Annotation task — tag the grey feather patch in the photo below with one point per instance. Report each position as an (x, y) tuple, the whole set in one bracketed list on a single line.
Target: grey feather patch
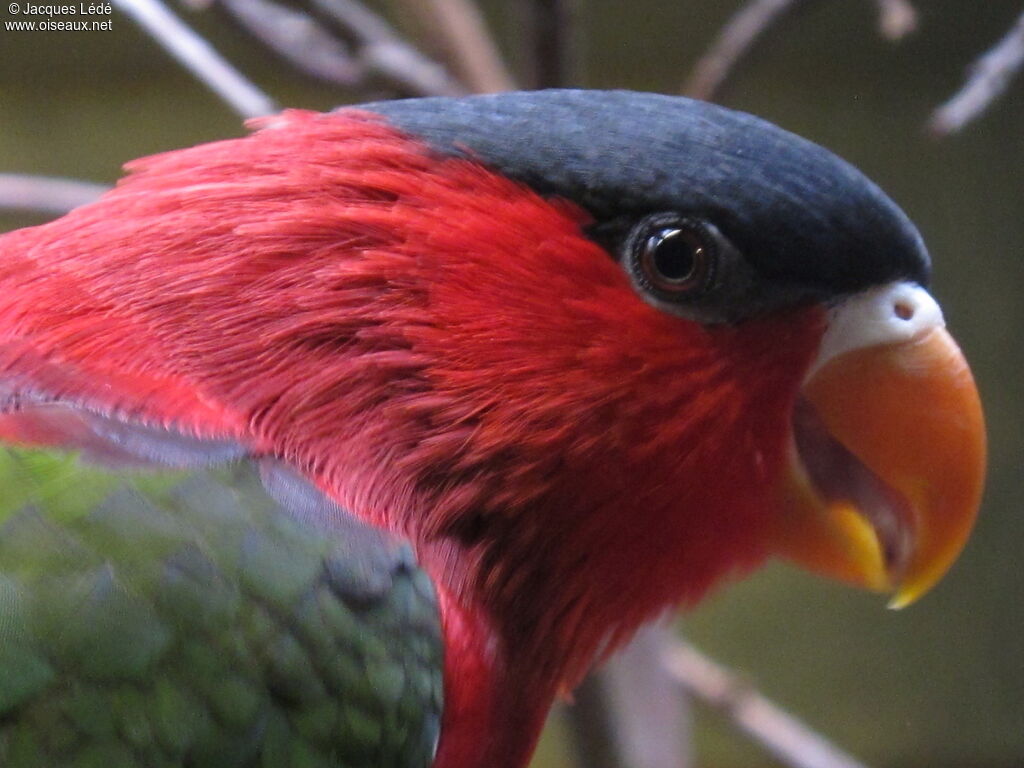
[(116, 442), (361, 572)]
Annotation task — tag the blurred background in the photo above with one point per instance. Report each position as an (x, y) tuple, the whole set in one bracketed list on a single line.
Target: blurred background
[(940, 684)]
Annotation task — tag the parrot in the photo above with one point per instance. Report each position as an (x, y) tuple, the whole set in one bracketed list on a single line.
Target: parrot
[(359, 439)]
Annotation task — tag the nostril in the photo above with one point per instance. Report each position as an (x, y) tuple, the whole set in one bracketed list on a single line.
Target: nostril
[(904, 310)]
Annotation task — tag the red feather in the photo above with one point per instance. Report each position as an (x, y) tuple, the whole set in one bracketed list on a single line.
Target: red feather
[(445, 353)]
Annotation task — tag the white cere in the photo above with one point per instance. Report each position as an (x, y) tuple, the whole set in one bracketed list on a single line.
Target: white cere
[(888, 314)]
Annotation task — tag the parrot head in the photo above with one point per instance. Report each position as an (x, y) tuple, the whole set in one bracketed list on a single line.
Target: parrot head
[(591, 352)]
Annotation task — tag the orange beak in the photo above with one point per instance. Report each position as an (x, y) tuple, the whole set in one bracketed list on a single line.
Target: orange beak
[(888, 459)]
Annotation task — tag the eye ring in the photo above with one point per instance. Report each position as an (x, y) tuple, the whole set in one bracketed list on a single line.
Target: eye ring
[(673, 257)]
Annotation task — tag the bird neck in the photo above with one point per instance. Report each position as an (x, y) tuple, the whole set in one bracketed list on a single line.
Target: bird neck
[(449, 356), (597, 510)]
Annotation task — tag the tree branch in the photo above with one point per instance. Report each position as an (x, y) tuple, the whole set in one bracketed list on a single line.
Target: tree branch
[(652, 726), (747, 26), (383, 51), (988, 78), (629, 714), (778, 732), (734, 42), (547, 28), (45, 195), (297, 38), (198, 56), (590, 719), (457, 30)]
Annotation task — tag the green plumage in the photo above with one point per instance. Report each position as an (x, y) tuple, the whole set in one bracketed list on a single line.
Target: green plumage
[(187, 620)]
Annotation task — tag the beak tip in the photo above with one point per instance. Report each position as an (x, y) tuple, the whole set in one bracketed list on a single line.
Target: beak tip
[(901, 600), (914, 420)]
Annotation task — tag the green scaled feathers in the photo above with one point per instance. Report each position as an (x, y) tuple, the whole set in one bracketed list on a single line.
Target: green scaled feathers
[(187, 621)]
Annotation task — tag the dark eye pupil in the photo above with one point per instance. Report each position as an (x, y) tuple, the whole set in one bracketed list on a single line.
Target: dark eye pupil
[(674, 255)]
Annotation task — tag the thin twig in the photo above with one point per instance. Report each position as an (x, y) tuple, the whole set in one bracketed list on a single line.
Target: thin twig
[(547, 30), (778, 732), (589, 720), (747, 26), (629, 714), (647, 713), (298, 39), (989, 76), (896, 18), (458, 32), (381, 49), (196, 55), (734, 41), (45, 194)]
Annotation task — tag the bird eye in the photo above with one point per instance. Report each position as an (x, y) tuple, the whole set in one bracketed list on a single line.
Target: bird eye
[(672, 257)]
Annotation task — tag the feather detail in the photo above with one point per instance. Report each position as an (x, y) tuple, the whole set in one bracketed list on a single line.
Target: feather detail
[(445, 353)]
